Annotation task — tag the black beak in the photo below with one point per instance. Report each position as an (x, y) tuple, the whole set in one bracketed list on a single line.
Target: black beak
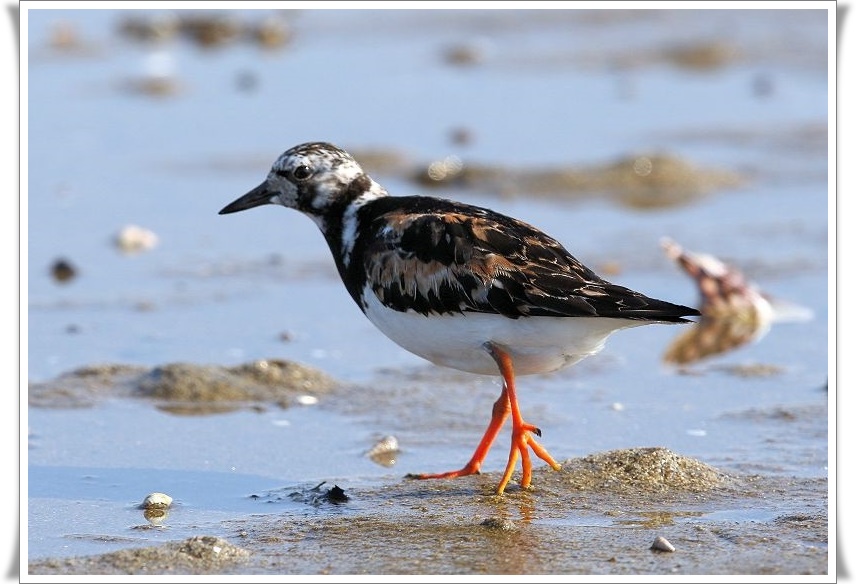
[(261, 195)]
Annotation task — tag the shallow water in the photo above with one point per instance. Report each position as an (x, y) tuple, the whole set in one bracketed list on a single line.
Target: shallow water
[(567, 88)]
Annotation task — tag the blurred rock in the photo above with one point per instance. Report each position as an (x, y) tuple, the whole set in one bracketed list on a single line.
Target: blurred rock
[(161, 27), (273, 32), (63, 271), (211, 30)]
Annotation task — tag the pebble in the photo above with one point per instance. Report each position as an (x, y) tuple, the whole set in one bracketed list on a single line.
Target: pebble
[(63, 270), (661, 544), (499, 524)]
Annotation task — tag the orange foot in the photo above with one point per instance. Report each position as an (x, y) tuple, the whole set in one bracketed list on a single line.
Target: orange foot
[(521, 433)]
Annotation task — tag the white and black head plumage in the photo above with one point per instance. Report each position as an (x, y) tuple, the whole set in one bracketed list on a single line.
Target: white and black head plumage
[(316, 178)]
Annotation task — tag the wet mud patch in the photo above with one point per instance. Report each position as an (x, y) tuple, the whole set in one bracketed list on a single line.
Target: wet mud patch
[(186, 388), (718, 524), (644, 180), (601, 514)]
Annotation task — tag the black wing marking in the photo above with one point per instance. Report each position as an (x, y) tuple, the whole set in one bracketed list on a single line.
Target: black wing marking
[(436, 256)]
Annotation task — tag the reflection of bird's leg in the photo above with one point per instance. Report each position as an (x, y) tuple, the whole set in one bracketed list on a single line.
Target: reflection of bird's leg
[(521, 432)]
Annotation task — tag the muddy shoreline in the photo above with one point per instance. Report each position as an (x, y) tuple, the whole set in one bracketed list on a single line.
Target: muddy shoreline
[(599, 515), (718, 524)]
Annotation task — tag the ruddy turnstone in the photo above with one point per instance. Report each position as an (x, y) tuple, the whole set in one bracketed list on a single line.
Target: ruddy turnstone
[(459, 285)]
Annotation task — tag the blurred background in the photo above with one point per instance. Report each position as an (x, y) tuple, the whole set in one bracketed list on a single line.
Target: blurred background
[(609, 129)]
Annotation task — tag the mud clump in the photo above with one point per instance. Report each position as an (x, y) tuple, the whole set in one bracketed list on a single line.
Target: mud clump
[(641, 469), (186, 388), (264, 380), (202, 554), (643, 181), (83, 387)]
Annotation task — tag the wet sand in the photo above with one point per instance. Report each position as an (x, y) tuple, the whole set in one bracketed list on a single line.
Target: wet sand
[(599, 515)]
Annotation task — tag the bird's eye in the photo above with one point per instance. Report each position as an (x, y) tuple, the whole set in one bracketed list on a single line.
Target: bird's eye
[(302, 172)]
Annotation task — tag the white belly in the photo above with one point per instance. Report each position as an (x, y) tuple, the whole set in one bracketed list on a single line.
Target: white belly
[(536, 344)]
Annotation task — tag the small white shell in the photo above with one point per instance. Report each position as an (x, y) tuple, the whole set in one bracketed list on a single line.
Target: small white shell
[(157, 501), (307, 400), (134, 239), (384, 445), (661, 544), (385, 451)]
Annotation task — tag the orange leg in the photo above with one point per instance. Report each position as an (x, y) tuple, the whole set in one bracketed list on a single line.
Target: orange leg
[(521, 433), (501, 409)]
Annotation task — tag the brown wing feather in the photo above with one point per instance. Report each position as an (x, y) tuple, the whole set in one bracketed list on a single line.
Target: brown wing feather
[(445, 257)]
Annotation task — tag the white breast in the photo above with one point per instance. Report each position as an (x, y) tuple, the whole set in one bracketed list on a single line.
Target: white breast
[(537, 344)]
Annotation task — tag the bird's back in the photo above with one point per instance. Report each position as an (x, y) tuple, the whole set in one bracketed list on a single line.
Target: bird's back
[(436, 256)]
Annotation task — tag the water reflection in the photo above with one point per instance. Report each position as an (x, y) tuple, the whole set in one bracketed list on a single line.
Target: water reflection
[(504, 542), (156, 517), (655, 519)]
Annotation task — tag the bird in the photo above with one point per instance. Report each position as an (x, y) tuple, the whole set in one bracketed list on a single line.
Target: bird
[(459, 285)]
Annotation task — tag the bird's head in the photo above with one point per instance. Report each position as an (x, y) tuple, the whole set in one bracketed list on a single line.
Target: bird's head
[(314, 178)]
